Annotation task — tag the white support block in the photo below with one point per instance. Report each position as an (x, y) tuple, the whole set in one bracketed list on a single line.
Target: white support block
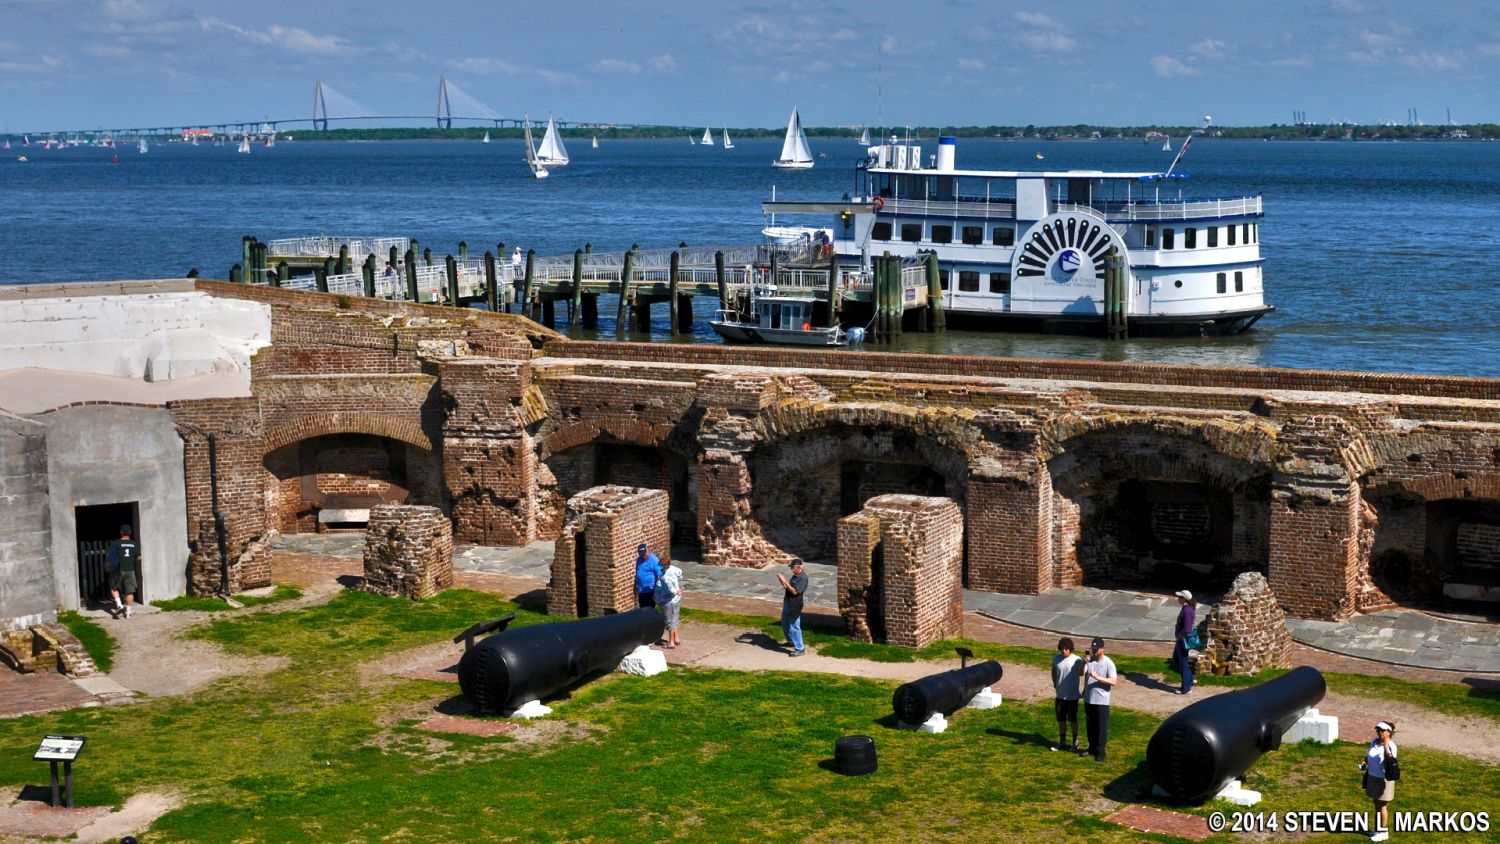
[(529, 709), (936, 724), (986, 699), (644, 661), (1237, 794), (1323, 729)]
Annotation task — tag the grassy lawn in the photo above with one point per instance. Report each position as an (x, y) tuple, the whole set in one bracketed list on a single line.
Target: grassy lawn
[(1454, 698), (187, 602), (100, 645), (323, 751)]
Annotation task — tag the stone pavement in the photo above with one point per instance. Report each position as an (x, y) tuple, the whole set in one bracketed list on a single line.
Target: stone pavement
[(1400, 637)]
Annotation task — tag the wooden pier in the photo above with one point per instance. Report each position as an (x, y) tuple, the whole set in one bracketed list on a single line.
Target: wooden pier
[(401, 269)]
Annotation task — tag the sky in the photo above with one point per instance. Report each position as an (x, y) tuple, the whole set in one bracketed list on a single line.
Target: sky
[(79, 64)]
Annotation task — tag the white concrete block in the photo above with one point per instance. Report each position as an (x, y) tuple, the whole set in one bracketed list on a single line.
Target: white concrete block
[(529, 709), (936, 724), (644, 661), (344, 515), (1237, 794), (1323, 729), (986, 699)]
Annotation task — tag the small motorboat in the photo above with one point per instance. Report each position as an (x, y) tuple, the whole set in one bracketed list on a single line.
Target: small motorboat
[(780, 319)]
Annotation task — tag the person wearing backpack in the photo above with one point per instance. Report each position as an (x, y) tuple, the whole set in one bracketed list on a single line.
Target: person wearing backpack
[(1381, 772), (669, 600), (1186, 635), (122, 562)]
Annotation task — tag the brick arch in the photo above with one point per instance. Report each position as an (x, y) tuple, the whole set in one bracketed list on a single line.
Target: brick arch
[(623, 431), (1250, 441), (408, 431), (953, 430)]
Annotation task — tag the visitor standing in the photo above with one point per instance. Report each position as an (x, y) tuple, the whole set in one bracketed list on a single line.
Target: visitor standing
[(1381, 772), (516, 262), (122, 561), (647, 570), (791, 606), (1067, 678), (1099, 679), (1185, 635), (669, 599)]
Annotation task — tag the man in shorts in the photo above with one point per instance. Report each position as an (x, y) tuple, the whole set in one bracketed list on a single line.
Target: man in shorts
[(123, 562), (1067, 681)]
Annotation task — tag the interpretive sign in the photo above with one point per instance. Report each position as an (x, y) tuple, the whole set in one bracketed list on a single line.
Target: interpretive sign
[(62, 749)]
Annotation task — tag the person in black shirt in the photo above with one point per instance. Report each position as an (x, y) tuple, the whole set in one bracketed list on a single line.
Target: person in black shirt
[(123, 562), (791, 606)]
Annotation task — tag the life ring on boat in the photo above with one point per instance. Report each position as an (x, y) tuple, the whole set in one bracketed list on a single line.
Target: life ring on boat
[(878, 203)]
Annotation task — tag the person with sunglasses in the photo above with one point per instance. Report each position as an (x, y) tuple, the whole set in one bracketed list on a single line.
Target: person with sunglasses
[(1381, 773)]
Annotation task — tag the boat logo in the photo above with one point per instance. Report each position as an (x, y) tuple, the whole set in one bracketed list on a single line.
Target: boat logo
[(1066, 248), (1069, 261)]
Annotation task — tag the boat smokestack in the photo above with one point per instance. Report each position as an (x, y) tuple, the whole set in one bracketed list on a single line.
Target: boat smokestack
[(947, 147)]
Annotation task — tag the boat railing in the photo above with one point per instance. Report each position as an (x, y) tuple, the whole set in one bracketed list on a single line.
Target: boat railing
[(1154, 210), (997, 208)]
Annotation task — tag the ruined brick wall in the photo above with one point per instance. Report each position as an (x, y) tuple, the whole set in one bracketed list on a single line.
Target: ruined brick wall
[(239, 431), (611, 521), (489, 460), (408, 551), (1246, 630), (917, 544)]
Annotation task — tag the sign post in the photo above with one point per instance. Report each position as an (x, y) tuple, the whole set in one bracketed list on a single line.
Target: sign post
[(62, 749)]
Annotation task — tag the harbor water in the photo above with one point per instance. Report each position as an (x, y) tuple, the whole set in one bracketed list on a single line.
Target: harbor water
[(1378, 256)]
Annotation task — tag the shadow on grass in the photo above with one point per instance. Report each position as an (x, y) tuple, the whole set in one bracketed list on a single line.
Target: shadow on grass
[(350, 581), (1020, 738), (762, 641), (1483, 688), (1133, 786), (39, 793), (536, 599), (1146, 681)]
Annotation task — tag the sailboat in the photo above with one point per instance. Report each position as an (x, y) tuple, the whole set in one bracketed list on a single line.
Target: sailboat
[(692, 140), (269, 142), (864, 138), (538, 169), (552, 153), (596, 142), (244, 144), (1166, 146), (25, 140), (708, 138), (794, 152), (728, 144), (142, 148), (486, 137), (7, 143)]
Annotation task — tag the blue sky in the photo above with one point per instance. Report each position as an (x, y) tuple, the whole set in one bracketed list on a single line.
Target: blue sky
[(87, 63)]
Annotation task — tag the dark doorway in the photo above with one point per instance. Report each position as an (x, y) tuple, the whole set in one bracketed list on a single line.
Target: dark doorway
[(580, 573), (875, 595), (96, 527)]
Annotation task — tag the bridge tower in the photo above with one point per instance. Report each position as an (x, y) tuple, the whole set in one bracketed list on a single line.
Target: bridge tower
[(444, 108), (320, 109)]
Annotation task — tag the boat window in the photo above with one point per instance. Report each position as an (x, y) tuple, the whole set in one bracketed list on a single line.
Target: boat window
[(973, 235), (1000, 282), (1168, 238), (942, 234), (1221, 282), (1239, 281), (1150, 236), (911, 232), (775, 316), (968, 281), (1213, 236), (1003, 236), (1189, 238), (1229, 230), (881, 231), (1255, 232), (946, 187), (943, 278)]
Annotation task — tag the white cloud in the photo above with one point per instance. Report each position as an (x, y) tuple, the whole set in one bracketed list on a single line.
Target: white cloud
[(782, 77), (292, 39), (1427, 60), (1049, 42), (1348, 7), (664, 63), (617, 66), (1167, 67), (558, 77), (970, 64), (1038, 19), (486, 67), (1489, 49), (1209, 48)]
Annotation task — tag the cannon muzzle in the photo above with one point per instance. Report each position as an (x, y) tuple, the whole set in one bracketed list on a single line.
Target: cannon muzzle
[(947, 692), (1197, 751), (529, 663)]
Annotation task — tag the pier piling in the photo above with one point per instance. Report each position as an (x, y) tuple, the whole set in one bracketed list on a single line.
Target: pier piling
[(283, 273), (937, 320), (427, 256), (344, 266), (672, 301), (722, 278), (411, 275), (528, 306), (369, 276), (1115, 326), (833, 288), (463, 251), (491, 285), (320, 279), (246, 245), (237, 274), (621, 312), (575, 311), (451, 265)]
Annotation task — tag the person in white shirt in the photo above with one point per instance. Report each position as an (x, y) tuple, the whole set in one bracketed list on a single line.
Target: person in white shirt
[(1067, 676), (669, 600), (1380, 784), (1099, 679)]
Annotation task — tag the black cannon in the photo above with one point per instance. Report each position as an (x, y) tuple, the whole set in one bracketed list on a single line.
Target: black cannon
[(529, 663), (947, 692), (1197, 751)]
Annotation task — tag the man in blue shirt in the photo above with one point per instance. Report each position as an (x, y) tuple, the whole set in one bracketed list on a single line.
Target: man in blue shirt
[(791, 606), (647, 570)]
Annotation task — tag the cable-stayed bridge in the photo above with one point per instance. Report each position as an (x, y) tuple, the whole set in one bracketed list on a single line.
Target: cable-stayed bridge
[(331, 107)]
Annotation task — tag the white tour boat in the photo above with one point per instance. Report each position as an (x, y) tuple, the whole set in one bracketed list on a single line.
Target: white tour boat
[(552, 152), (780, 319), (1028, 248), (795, 154)]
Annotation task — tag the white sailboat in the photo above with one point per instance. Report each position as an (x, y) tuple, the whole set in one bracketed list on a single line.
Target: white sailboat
[(864, 137), (552, 153), (692, 140), (708, 138), (795, 154), (244, 144), (728, 144), (486, 137), (538, 169), (596, 142), (1166, 146), (142, 148)]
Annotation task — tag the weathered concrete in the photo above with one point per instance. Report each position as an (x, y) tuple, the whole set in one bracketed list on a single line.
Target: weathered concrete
[(27, 585), (105, 454)]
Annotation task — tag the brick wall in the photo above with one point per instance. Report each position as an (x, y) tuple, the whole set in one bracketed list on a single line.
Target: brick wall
[(917, 543), (408, 551), (611, 521), (1246, 631), (238, 427)]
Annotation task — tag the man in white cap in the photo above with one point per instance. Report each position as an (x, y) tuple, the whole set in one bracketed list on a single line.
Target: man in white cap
[(1185, 636)]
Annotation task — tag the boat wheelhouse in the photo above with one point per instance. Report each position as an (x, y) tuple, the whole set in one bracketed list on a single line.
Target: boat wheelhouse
[(1030, 247), (774, 318)]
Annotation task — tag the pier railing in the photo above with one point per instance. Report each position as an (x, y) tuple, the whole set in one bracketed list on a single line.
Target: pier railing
[(325, 246)]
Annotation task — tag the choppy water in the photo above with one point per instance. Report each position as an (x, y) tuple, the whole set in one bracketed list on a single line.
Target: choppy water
[(1378, 256)]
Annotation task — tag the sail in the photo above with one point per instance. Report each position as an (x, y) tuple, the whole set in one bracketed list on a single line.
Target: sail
[(538, 169), (552, 151), (864, 138), (794, 149), (708, 137), (486, 138), (727, 143), (596, 142), (142, 145)]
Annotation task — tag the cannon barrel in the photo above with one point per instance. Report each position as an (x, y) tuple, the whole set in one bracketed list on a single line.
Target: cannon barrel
[(1197, 751), (529, 663), (947, 692)]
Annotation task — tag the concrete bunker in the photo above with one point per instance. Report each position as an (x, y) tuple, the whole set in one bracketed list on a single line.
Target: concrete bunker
[(803, 484), (1156, 509), (332, 481)]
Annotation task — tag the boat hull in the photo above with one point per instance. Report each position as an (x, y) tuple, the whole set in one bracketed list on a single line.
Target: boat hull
[(736, 332), (792, 165)]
